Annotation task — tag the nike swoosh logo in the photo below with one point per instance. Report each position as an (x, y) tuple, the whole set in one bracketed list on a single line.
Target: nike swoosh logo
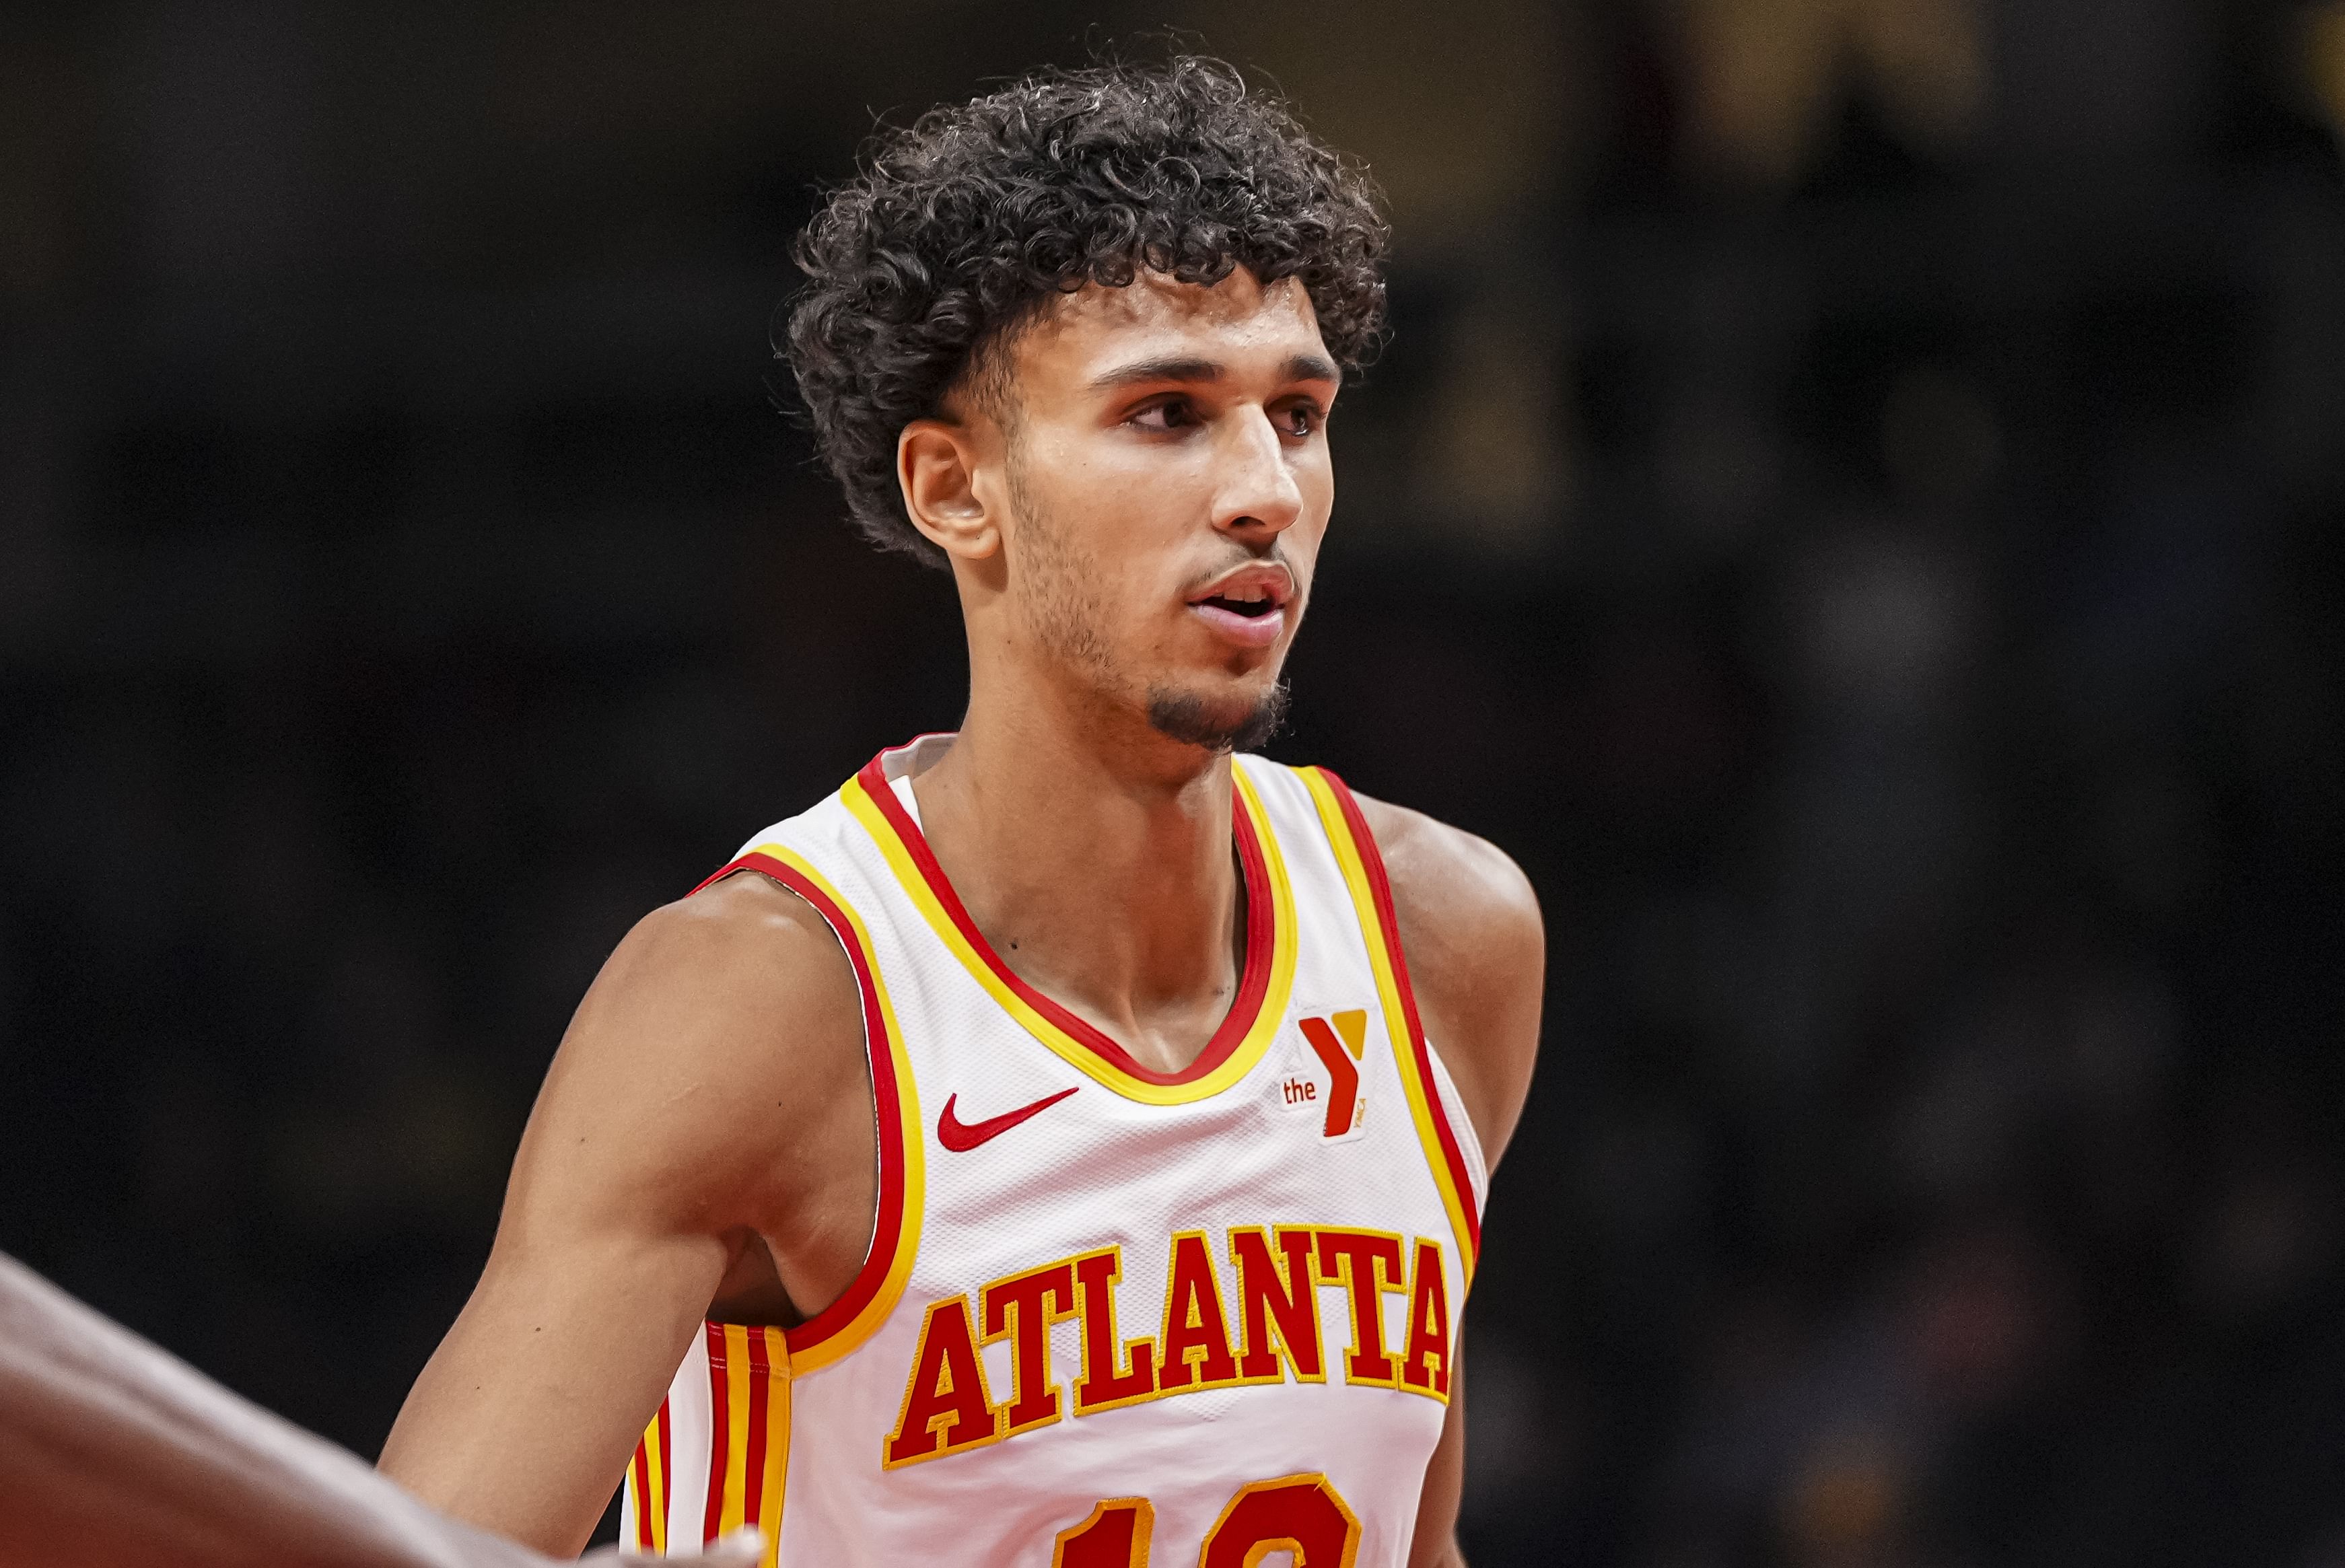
[(960, 1137)]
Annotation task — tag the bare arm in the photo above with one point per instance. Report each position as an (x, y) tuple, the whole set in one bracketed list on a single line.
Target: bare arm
[(1477, 950), (695, 1110), (113, 1451)]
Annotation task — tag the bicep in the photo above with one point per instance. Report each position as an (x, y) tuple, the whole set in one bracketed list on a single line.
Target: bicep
[(523, 1418), (644, 1168), (523, 1421)]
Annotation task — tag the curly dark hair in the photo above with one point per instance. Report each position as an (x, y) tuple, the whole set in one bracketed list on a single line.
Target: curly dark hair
[(959, 229)]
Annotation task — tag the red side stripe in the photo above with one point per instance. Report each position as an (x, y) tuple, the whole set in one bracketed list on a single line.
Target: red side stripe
[(644, 1503), (1253, 983), (1380, 884), (752, 1473), (888, 1233), (720, 1426)]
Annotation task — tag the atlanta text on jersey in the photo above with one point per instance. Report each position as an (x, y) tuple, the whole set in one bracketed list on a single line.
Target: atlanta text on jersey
[(949, 1407)]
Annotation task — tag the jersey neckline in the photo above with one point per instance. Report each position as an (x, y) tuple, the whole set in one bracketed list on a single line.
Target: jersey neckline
[(1265, 978)]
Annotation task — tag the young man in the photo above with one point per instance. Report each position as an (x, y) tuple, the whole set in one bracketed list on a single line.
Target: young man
[(1049, 1130)]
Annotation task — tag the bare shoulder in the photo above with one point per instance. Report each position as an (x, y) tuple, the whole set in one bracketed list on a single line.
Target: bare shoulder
[(1450, 880), (746, 941), (1477, 950), (717, 1018)]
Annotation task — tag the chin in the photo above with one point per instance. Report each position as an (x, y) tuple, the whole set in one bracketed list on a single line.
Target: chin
[(1220, 720)]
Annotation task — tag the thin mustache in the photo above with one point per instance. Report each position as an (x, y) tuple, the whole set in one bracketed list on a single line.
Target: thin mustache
[(1276, 557)]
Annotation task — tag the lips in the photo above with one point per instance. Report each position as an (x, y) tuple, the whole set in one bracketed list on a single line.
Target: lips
[(1247, 606)]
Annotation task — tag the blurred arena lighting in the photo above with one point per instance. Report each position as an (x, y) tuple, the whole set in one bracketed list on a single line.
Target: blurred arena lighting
[(1769, 74)]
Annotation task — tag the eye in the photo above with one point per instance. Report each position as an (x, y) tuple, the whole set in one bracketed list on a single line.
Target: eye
[(1172, 414), (1299, 419)]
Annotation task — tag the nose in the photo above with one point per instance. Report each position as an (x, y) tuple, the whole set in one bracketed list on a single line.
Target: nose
[(1257, 491)]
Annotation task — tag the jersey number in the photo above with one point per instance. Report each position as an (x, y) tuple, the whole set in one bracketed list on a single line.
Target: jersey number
[(1304, 1515)]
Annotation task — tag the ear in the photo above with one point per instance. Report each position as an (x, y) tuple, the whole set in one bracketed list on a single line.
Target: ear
[(937, 464)]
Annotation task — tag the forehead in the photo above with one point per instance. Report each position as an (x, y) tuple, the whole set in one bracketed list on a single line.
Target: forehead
[(1240, 322)]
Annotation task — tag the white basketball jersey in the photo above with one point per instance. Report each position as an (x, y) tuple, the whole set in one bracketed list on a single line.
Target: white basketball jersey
[(1110, 1316)]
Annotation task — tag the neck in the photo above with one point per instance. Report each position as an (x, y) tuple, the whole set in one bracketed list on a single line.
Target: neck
[(1099, 864)]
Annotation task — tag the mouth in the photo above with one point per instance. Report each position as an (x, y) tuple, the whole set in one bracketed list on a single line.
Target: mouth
[(1247, 607), (1236, 604)]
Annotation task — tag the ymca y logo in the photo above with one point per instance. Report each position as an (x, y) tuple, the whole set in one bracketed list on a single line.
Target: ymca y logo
[(1338, 1041)]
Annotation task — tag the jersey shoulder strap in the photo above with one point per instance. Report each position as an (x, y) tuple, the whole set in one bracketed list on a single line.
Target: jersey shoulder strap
[(1313, 801)]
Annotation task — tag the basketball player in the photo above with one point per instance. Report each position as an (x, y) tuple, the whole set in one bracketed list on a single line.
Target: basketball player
[(112, 1451), (1040, 1151)]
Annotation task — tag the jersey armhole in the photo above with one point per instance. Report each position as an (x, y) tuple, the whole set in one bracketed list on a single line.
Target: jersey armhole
[(1478, 1169), (872, 1294), (1354, 846)]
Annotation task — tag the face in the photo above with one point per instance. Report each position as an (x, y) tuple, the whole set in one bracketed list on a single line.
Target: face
[(1157, 480)]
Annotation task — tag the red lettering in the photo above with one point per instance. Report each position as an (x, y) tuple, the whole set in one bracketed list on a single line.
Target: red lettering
[(1025, 1305), (1424, 1363), (1196, 1345), (1101, 1384), (1276, 1298), (1369, 1264), (944, 1405)]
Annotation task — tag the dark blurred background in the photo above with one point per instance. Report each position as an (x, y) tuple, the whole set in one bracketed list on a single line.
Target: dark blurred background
[(1852, 506)]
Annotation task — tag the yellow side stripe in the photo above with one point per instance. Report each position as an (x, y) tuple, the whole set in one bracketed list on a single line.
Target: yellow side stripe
[(736, 1436)]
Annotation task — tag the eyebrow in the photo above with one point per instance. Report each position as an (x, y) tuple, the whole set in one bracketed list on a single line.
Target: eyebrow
[(1190, 368)]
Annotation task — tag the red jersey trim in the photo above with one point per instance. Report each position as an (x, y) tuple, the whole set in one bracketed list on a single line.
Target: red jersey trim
[(720, 1427), (749, 1415), (1254, 983), (1388, 927), (883, 1052)]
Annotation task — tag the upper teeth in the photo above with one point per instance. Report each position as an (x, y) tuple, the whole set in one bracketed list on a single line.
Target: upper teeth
[(1243, 595)]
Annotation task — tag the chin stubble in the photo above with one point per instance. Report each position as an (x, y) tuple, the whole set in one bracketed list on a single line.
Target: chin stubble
[(1186, 717)]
